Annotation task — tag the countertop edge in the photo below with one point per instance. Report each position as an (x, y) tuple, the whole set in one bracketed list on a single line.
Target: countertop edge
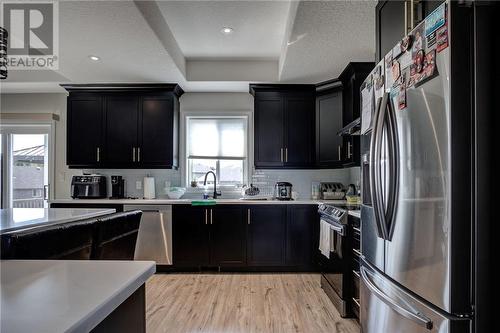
[(41, 225), (100, 313)]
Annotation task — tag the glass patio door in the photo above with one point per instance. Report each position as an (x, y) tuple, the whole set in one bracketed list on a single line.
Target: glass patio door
[(25, 166)]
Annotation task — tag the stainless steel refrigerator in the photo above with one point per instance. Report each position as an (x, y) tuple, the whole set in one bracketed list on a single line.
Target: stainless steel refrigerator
[(416, 221)]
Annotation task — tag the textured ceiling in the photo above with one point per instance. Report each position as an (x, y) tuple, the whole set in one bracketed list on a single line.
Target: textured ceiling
[(132, 42), (259, 27), (327, 35)]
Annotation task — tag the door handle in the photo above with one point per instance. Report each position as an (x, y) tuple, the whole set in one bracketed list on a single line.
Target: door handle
[(133, 154), (211, 217), (393, 163), (411, 314), (349, 154), (98, 150), (138, 154), (248, 216), (206, 216), (373, 169), (281, 152), (339, 152), (286, 154), (46, 192)]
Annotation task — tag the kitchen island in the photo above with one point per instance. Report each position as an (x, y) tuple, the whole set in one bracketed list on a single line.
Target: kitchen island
[(15, 219), (73, 295)]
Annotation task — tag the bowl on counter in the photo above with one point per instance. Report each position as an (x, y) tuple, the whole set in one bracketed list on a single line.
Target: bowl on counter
[(175, 192)]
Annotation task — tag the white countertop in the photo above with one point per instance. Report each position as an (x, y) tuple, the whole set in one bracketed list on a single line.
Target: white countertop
[(188, 201), (22, 218), (65, 295)]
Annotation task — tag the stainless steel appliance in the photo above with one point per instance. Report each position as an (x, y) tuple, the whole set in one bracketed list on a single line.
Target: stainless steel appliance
[(117, 187), (336, 277), (154, 241), (416, 214), (283, 191), (88, 187)]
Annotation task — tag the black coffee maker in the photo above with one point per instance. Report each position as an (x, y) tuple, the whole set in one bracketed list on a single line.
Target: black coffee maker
[(117, 187)]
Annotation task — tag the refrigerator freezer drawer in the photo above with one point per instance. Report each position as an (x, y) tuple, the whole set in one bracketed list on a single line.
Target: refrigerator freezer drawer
[(385, 307)]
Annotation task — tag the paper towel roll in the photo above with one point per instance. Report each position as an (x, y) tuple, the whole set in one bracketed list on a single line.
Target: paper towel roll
[(149, 188)]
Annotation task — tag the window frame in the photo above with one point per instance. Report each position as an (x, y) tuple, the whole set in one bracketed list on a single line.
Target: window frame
[(247, 160)]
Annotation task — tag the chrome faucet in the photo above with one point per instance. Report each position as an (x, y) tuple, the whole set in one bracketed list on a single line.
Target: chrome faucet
[(216, 194)]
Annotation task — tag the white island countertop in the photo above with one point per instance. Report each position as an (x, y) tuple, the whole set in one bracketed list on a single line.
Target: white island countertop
[(15, 219), (65, 295)]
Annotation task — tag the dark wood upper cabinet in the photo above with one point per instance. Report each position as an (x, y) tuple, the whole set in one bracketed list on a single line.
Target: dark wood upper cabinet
[(158, 131), (284, 126), (328, 123), (352, 78), (85, 130), (266, 235), (123, 126), (121, 129), (269, 130), (228, 235)]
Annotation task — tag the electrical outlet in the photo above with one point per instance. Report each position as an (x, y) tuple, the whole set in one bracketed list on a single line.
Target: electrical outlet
[(138, 185)]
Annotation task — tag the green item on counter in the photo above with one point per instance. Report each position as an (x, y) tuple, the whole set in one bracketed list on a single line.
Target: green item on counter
[(206, 202)]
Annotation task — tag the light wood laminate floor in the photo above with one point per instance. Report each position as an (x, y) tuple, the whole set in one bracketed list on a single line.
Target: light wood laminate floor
[(237, 303)]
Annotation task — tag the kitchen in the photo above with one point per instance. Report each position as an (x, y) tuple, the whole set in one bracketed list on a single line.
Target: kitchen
[(213, 170)]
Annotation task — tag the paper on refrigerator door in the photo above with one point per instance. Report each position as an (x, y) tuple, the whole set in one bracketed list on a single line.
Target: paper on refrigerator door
[(367, 100)]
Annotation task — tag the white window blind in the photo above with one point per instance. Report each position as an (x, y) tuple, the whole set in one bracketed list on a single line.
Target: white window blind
[(219, 145)]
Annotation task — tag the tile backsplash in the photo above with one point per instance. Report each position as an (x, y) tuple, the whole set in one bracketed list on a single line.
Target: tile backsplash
[(300, 179)]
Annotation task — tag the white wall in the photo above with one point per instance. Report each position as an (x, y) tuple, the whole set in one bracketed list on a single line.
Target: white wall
[(190, 102), (46, 103)]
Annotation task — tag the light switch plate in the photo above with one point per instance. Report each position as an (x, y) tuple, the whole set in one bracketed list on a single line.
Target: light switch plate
[(138, 185)]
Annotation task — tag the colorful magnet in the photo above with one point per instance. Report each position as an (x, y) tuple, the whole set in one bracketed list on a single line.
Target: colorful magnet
[(418, 61), (396, 70), (431, 40), (406, 43), (435, 20), (442, 38), (402, 97)]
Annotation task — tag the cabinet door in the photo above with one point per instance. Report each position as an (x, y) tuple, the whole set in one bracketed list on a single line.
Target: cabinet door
[(121, 130), (299, 114), (266, 235), (190, 236), (328, 123), (227, 236), (390, 25), (84, 131), (156, 132), (301, 221), (269, 132)]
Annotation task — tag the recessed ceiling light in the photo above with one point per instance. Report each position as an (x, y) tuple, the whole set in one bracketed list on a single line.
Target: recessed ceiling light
[(227, 30), (95, 58)]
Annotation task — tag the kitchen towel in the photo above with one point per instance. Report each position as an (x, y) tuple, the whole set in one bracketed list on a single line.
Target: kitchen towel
[(325, 238)]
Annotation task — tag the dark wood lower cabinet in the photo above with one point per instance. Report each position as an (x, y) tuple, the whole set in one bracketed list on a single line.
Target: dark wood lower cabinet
[(190, 239), (227, 236), (266, 235), (300, 240)]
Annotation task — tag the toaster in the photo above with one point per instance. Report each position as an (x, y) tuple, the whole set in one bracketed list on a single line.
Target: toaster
[(88, 187)]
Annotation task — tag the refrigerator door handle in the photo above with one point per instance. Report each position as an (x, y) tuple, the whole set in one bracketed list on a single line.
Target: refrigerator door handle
[(411, 314), (393, 163), (373, 170), (379, 207)]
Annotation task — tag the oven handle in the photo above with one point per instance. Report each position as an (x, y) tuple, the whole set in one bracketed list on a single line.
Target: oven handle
[(337, 228), (414, 315)]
